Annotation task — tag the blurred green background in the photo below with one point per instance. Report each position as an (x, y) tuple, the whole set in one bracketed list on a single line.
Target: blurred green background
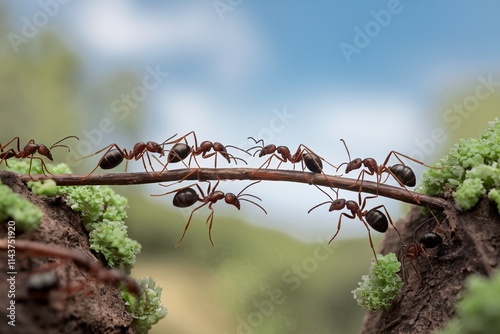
[(255, 280)]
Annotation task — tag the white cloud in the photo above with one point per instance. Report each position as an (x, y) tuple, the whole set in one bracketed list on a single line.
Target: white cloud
[(116, 28)]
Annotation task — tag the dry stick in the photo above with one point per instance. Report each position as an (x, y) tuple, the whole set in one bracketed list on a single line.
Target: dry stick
[(203, 174)]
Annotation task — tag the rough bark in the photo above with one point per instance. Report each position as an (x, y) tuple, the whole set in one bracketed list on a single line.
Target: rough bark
[(80, 303), (471, 245)]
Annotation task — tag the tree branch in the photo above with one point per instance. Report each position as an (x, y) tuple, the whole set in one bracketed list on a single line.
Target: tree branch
[(202, 174)]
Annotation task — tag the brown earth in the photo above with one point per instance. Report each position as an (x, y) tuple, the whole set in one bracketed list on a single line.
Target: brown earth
[(471, 245)]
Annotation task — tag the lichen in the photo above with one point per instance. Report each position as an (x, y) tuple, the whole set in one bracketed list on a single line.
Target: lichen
[(470, 169), (148, 310), (13, 206), (378, 289)]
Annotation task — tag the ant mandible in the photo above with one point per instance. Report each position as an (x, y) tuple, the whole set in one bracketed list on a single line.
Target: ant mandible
[(114, 155), (29, 150), (415, 249), (306, 156), (403, 174), (187, 196), (374, 218), (181, 151)]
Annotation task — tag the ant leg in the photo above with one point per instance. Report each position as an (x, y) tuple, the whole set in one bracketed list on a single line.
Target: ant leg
[(187, 224), (370, 238), (338, 226), (211, 217), (397, 154), (108, 149)]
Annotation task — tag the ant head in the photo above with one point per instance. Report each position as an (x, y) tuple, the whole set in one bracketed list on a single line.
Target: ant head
[(354, 164), (337, 204), (152, 146), (44, 150), (232, 199), (219, 147)]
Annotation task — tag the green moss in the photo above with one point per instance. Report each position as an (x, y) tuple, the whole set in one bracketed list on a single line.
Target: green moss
[(148, 310), (45, 188), (470, 169), (382, 284), (479, 309), (110, 238), (13, 206)]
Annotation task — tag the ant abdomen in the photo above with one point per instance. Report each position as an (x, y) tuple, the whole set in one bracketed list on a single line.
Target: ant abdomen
[(185, 198), (312, 162), (178, 153), (377, 220), (431, 240), (112, 159), (404, 174)]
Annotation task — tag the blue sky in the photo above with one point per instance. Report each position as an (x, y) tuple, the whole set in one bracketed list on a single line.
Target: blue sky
[(228, 78)]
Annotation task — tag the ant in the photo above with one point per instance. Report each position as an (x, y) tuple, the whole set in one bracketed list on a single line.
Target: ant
[(403, 174), (181, 151), (374, 218), (418, 248), (187, 196), (306, 156), (29, 150), (95, 269), (114, 155)]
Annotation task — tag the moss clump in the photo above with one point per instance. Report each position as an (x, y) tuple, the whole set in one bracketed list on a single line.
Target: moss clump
[(110, 238), (479, 309), (148, 310), (382, 284), (470, 169), (26, 215)]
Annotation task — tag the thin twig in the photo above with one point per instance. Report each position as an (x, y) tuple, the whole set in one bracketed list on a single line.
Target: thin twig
[(202, 174)]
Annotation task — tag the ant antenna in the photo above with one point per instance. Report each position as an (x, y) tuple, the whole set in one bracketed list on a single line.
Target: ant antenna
[(345, 145), (57, 142)]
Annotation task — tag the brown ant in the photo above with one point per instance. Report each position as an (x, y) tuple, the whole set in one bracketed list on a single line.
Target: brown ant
[(95, 269), (415, 249), (29, 150), (181, 151), (374, 218), (403, 174), (185, 197), (114, 155), (304, 155)]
